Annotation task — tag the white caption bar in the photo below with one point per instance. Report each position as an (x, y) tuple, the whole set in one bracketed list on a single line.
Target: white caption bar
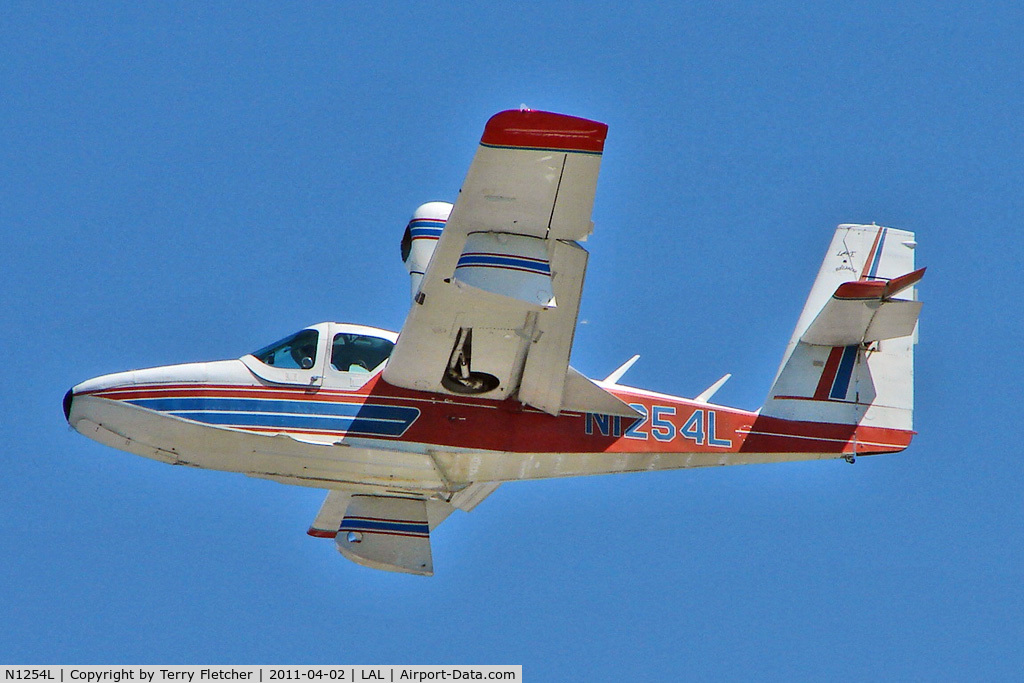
[(259, 674)]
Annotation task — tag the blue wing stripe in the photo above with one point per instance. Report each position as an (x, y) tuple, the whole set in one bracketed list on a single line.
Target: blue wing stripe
[(373, 525), (532, 265)]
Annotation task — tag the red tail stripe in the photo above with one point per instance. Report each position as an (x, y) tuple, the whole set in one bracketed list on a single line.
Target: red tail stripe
[(828, 375), (871, 254)]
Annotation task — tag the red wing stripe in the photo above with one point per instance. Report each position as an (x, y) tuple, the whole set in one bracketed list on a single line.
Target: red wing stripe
[(322, 533), (544, 130), (364, 518), (391, 533)]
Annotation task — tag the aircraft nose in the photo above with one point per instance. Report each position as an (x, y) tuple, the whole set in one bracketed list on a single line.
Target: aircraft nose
[(68, 398)]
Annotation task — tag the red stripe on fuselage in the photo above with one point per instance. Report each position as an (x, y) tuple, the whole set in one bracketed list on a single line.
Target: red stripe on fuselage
[(481, 424), (775, 435)]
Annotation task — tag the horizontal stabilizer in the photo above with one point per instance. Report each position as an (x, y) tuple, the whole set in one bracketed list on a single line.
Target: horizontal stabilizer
[(878, 290), (863, 311)]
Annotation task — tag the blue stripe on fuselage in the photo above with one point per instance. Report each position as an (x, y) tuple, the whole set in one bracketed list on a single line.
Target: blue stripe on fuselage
[(362, 418)]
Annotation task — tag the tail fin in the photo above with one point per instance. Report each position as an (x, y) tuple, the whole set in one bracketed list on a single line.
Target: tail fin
[(851, 357)]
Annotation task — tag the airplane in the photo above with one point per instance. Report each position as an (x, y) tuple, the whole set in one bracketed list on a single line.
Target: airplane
[(476, 390)]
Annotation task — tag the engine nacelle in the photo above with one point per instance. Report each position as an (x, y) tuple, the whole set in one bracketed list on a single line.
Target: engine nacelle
[(421, 237)]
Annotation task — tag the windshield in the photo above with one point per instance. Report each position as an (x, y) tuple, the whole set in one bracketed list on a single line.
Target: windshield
[(359, 352), (295, 352)]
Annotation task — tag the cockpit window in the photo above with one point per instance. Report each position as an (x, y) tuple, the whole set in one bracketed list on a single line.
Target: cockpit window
[(297, 352), (358, 352)]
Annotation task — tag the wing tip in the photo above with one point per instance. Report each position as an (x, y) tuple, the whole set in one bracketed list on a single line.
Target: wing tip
[(530, 129), (320, 533)]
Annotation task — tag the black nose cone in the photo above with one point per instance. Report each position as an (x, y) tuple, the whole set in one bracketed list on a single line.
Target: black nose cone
[(68, 398)]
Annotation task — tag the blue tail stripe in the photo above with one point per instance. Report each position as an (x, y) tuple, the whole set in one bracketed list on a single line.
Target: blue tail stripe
[(878, 254), (841, 384)]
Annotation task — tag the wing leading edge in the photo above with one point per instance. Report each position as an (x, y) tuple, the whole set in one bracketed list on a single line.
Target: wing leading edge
[(497, 307)]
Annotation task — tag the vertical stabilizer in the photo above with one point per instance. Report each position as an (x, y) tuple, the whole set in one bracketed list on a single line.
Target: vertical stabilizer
[(851, 357)]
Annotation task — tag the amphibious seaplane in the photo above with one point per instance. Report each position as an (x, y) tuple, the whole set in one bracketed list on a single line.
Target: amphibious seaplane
[(477, 390)]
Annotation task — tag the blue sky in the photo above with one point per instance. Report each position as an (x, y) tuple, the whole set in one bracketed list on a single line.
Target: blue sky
[(188, 182)]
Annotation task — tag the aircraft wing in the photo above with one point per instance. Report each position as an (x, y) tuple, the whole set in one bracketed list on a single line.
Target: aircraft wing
[(390, 532), (496, 311)]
